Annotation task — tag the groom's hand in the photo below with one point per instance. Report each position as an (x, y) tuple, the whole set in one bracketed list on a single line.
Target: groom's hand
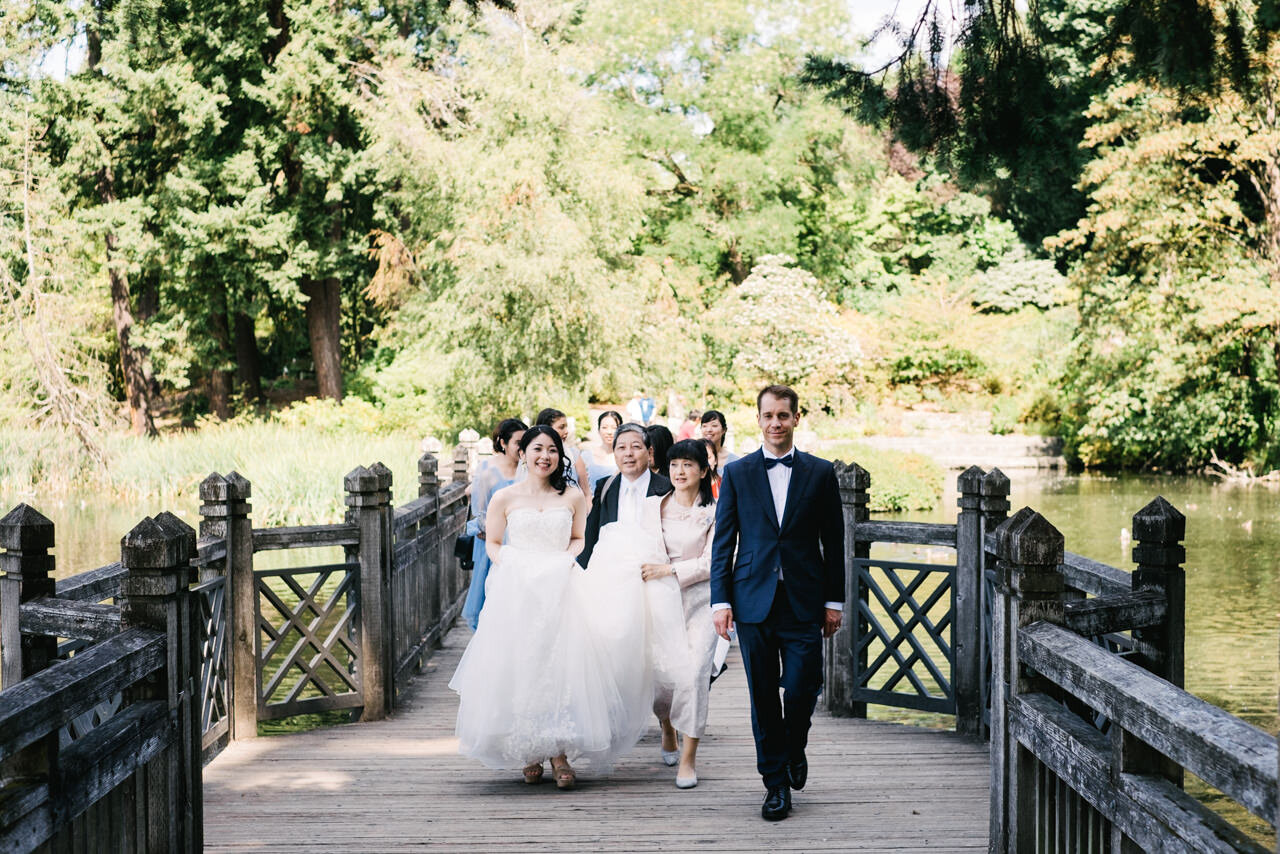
[(724, 622), (832, 622)]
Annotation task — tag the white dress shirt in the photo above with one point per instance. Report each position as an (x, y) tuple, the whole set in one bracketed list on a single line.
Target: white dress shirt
[(631, 494), (779, 481)]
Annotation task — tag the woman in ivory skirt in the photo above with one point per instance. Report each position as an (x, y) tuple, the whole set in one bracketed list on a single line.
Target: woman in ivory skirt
[(686, 521)]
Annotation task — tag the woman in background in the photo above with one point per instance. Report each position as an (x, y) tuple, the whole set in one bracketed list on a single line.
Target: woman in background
[(713, 460), (499, 472), (606, 428), (660, 440), (715, 428)]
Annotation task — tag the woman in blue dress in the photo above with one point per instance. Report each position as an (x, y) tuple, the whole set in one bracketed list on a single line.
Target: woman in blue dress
[(606, 427), (499, 472)]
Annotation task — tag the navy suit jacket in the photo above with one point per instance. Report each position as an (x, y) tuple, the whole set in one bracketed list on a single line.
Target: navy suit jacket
[(751, 543)]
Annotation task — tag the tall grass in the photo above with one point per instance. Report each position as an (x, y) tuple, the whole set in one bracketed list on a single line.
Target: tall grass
[(296, 473)]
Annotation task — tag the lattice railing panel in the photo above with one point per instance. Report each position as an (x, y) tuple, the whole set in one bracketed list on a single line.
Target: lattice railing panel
[(902, 644), (211, 616), (308, 642)]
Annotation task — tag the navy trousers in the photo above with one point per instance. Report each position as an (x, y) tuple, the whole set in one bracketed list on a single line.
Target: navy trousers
[(781, 651)]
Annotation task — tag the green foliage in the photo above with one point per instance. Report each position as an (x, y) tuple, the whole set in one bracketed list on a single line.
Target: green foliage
[(899, 481), (1175, 355), (937, 363), (1018, 280)]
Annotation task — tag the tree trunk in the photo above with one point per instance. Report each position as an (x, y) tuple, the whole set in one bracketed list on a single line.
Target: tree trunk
[(248, 371), (133, 361), (738, 269), (219, 376), (323, 327)]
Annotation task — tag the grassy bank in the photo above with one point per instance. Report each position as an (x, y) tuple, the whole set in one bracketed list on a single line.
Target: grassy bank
[(899, 481), (296, 473)]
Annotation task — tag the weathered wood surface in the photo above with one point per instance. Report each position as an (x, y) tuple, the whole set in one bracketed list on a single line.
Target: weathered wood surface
[(399, 785), (63, 618), (1224, 751), (305, 536), (40, 704), (916, 533), (1143, 807), (94, 585), (1107, 614), (1093, 577)]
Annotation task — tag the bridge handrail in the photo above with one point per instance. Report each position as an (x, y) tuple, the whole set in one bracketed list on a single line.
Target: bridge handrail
[(44, 702), (305, 536), (1230, 754), (94, 585), (912, 533)]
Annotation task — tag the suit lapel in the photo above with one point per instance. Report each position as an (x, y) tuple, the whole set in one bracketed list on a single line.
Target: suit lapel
[(609, 513), (800, 470), (763, 493)]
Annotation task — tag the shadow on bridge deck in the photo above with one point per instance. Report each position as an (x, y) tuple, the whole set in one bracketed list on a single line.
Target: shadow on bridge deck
[(399, 785)]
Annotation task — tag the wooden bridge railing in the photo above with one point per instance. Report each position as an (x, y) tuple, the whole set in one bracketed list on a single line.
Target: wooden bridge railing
[(119, 683), (915, 634), (1089, 747), (1073, 667), (103, 748)]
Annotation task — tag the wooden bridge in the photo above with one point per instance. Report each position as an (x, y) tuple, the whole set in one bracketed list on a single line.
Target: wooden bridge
[(132, 696)]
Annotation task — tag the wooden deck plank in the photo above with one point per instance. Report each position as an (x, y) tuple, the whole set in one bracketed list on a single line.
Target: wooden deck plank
[(399, 785)]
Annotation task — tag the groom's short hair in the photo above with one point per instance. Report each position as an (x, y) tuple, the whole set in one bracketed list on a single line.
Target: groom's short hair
[(781, 392), (632, 427)]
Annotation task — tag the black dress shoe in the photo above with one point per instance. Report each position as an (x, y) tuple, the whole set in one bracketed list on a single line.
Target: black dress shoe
[(798, 771), (777, 803)]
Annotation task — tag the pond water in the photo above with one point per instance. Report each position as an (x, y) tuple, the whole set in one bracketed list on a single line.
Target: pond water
[(1233, 561)]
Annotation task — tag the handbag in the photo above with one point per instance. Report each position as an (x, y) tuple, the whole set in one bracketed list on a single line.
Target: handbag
[(464, 551)]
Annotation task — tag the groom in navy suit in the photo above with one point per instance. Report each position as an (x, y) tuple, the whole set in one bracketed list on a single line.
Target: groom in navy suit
[(777, 569)]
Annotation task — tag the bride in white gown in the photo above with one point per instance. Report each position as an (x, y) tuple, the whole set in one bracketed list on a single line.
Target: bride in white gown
[(558, 666)]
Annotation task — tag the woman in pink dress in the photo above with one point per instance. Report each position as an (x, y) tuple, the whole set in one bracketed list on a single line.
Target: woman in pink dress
[(685, 523)]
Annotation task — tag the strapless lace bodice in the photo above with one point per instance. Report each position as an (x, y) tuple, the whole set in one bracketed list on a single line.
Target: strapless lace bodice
[(539, 530)]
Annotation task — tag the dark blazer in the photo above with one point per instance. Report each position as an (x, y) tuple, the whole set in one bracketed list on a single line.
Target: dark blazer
[(604, 508), (751, 542)]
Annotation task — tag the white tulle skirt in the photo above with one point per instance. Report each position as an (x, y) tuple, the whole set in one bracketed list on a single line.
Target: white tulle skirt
[(558, 663)]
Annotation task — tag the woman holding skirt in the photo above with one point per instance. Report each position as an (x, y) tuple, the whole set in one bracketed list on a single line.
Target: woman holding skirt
[(684, 521)]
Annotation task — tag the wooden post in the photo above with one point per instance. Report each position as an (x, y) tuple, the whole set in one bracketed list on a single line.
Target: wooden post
[(1030, 587), (154, 593), (855, 486), (993, 506), (464, 456), (428, 480), (1158, 530), (26, 536), (224, 512), (966, 677), (368, 503)]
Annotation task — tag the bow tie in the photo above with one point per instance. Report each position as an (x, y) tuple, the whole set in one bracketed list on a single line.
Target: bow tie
[(788, 461)]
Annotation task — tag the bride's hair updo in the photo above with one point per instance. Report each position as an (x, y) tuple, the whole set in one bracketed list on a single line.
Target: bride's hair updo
[(694, 451), (558, 475)]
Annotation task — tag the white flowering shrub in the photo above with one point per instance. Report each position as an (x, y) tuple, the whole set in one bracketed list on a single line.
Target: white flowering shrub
[(778, 327)]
